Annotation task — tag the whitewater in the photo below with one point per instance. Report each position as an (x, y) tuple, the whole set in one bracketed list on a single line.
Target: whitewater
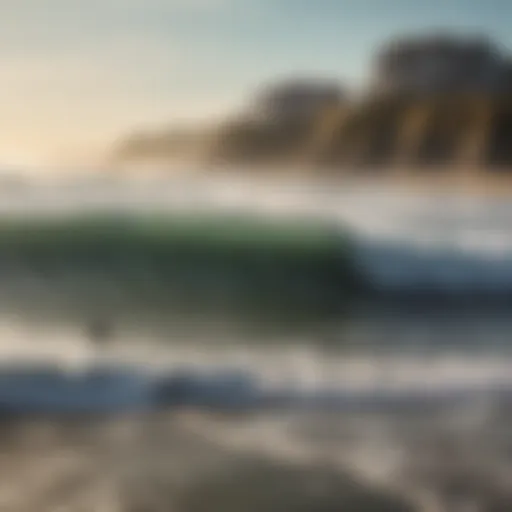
[(403, 240)]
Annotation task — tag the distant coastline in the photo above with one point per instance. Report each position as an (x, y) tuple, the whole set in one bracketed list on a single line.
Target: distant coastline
[(412, 119)]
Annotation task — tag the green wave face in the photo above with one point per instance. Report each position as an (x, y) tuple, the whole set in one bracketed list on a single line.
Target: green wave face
[(175, 263)]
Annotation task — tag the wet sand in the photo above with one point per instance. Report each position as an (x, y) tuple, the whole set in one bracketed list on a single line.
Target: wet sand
[(204, 462)]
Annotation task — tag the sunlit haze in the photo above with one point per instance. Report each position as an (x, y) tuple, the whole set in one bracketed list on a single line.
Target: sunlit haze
[(77, 76)]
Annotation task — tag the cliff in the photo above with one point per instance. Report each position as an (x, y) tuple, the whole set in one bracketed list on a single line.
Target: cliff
[(473, 131), (431, 132), (435, 101)]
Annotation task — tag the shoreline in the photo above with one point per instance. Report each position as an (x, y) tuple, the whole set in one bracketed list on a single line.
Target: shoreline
[(456, 179)]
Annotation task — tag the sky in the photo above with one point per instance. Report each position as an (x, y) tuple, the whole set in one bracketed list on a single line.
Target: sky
[(78, 75)]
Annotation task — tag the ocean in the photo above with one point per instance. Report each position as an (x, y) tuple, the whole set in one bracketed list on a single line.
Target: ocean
[(421, 364)]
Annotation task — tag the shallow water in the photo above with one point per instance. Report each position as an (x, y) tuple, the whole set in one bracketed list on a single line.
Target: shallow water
[(395, 458)]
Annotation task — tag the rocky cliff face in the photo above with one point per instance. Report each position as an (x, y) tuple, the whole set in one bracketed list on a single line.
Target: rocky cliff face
[(432, 132)]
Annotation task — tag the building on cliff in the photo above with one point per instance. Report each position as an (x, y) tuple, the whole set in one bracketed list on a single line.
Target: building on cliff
[(441, 64)]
